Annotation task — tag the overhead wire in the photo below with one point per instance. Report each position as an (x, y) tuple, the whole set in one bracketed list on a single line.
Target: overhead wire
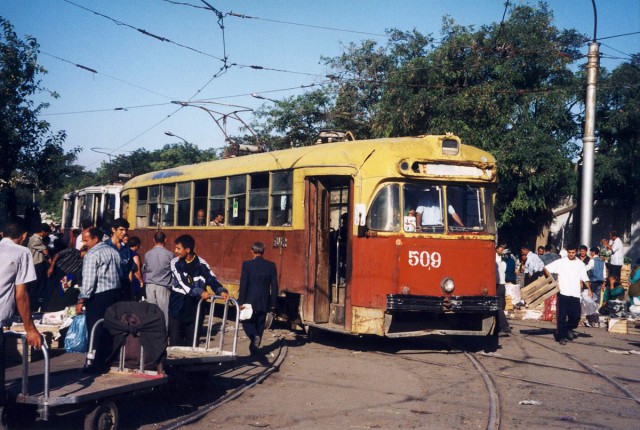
[(94, 71), (618, 35)]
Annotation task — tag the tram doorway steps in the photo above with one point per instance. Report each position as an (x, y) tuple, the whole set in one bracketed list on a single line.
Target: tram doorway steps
[(336, 314)]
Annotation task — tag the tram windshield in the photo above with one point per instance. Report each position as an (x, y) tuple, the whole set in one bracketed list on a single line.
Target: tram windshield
[(432, 208)]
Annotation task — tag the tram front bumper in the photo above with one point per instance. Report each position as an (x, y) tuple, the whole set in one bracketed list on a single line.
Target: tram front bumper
[(410, 315)]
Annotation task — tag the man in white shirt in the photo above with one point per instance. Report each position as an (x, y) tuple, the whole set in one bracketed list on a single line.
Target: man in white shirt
[(86, 225), (532, 267), (501, 269), (16, 270), (572, 274), (617, 258), (429, 211)]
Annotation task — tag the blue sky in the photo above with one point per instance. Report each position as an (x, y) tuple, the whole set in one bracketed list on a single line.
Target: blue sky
[(143, 74)]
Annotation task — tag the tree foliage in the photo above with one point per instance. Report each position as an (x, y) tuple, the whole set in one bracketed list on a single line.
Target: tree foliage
[(32, 155), (507, 88), (618, 152)]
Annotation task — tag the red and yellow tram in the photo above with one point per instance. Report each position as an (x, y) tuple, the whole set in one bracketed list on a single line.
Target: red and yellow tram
[(391, 237)]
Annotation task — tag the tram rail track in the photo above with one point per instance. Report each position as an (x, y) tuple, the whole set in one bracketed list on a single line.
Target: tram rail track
[(628, 394), (194, 416)]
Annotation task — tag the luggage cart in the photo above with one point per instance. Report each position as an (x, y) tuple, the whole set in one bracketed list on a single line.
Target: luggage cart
[(195, 357), (72, 390)]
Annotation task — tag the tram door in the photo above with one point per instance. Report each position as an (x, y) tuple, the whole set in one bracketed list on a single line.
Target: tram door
[(328, 220)]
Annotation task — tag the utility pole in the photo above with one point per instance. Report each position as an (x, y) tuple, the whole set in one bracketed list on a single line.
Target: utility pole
[(589, 139)]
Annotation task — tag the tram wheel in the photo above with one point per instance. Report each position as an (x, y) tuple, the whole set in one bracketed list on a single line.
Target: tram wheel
[(102, 417)]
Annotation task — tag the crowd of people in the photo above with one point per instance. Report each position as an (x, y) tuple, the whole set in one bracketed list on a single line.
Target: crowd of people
[(101, 269), (583, 274)]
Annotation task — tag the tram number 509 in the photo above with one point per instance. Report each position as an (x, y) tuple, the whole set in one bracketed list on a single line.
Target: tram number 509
[(425, 259)]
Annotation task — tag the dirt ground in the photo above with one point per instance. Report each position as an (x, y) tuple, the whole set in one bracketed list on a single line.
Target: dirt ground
[(336, 381), (349, 382)]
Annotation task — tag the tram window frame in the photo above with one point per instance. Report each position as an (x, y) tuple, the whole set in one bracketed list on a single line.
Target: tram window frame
[(141, 207), (468, 209), (413, 192), (281, 198), (87, 212), (217, 198), (237, 199), (110, 205), (258, 207), (124, 206), (385, 215), (450, 198), (154, 206), (168, 205), (200, 198), (183, 204)]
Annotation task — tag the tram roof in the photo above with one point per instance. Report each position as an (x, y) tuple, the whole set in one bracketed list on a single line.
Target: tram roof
[(348, 154)]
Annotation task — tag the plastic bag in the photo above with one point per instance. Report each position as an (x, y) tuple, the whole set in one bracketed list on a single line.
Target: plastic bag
[(549, 309), (588, 304), (77, 338)]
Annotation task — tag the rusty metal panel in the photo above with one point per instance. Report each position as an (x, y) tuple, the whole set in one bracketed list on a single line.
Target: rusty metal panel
[(226, 249), (367, 321), (417, 265)]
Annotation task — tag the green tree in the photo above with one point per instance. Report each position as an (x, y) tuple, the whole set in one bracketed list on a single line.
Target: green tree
[(295, 121), (507, 88), (32, 155), (617, 158)]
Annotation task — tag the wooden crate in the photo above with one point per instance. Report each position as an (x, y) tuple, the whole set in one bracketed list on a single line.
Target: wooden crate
[(538, 291)]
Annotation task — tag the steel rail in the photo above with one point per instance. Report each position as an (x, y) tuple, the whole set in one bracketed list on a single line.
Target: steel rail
[(204, 410), (591, 369)]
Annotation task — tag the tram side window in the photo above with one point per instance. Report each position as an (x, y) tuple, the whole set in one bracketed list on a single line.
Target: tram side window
[(469, 205), (168, 205), (199, 202), (217, 193), (281, 198), (141, 208), (154, 206), (184, 204), (69, 206), (125, 207), (109, 208), (237, 200), (384, 214), (259, 199), (86, 207)]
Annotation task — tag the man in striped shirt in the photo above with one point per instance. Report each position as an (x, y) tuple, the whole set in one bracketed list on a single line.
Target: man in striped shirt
[(101, 273)]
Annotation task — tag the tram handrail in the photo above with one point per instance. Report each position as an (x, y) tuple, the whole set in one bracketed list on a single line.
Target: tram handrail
[(226, 304)]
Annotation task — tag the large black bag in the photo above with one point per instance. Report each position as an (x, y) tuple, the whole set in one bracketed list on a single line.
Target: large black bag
[(135, 324)]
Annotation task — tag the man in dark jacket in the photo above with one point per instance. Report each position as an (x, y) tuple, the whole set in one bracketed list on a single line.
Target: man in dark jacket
[(191, 277), (259, 288)]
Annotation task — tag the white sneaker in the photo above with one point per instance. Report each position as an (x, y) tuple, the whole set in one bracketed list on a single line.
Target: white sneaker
[(586, 323)]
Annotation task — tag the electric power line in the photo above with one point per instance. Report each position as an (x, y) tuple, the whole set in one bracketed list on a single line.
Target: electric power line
[(618, 35), (94, 71)]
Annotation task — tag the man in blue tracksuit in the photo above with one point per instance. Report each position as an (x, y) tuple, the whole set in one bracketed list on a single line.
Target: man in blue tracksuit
[(191, 277)]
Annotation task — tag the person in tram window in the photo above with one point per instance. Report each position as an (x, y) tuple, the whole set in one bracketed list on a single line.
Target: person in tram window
[(429, 212), (218, 220), (191, 277), (201, 218)]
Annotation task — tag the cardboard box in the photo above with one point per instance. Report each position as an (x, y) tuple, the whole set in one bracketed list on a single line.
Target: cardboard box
[(619, 326)]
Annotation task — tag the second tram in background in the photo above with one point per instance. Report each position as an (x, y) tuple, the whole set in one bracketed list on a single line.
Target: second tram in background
[(339, 220), (100, 204)]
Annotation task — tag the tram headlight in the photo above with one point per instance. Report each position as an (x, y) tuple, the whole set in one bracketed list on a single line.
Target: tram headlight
[(447, 285)]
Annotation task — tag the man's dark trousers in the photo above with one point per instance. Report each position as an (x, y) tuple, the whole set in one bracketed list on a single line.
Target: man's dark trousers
[(95, 309), (567, 315)]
